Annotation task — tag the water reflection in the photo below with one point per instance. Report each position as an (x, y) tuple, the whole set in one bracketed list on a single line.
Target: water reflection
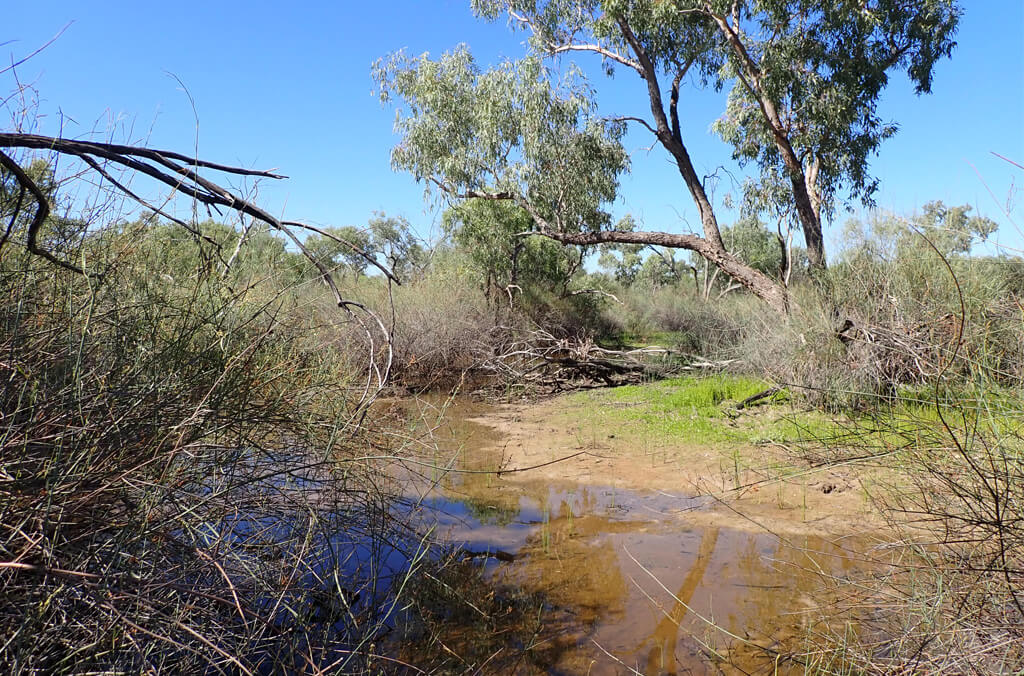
[(661, 657), (635, 586)]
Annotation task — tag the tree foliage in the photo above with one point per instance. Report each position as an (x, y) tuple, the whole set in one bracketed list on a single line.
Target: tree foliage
[(888, 237), (340, 247), (803, 77), (510, 133), (386, 242), (953, 230), (392, 238), (490, 235)]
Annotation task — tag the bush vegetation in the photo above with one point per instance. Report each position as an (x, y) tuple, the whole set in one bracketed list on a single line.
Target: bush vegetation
[(178, 485), (916, 345), (189, 466)]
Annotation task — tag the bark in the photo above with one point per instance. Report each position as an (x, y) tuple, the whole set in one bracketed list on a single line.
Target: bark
[(810, 222), (710, 247), (804, 194), (670, 138), (758, 283)]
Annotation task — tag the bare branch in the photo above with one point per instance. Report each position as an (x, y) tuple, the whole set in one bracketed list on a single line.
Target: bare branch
[(42, 212), (469, 194), (46, 44), (180, 173), (628, 118), (599, 292), (598, 49), (22, 189), (554, 48), (98, 168)]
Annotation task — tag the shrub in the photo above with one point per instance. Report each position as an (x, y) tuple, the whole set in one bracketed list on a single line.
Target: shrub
[(180, 479)]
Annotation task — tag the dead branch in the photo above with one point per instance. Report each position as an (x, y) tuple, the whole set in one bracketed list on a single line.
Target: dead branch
[(181, 174), (541, 360), (598, 292)]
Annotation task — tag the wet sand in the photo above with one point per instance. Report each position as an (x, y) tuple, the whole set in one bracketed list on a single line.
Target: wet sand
[(651, 560)]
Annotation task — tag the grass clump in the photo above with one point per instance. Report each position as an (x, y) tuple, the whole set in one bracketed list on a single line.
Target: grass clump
[(181, 480), (700, 410), (955, 503)]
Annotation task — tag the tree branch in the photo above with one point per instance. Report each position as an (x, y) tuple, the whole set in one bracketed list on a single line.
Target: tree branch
[(673, 103), (554, 48), (672, 144), (599, 292), (750, 75), (629, 118), (470, 194), (598, 49), (179, 173), (42, 212), (754, 280)]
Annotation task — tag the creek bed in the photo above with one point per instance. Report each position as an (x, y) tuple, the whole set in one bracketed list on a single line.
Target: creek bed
[(640, 584)]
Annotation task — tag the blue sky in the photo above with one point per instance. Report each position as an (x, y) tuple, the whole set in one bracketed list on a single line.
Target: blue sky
[(287, 86)]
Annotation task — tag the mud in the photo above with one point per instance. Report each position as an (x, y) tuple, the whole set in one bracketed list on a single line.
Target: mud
[(654, 561)]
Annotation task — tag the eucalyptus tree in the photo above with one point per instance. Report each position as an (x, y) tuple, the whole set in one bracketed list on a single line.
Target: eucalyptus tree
[(803, 80), (341, 247), (953, 230), (393, 240), (623, 261), (948, 230), (487, 232)]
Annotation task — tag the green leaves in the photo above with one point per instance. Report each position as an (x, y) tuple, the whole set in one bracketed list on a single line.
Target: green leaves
[(508, 133), (888, 237), (823, 65), (490, 235), (345, 253), (804, 79)]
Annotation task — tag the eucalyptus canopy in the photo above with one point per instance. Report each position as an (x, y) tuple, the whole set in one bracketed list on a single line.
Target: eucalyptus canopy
[(948, 230), (803, 81), (489, 234)]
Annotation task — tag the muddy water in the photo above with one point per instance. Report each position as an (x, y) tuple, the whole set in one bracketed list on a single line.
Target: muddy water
[(639, 586)]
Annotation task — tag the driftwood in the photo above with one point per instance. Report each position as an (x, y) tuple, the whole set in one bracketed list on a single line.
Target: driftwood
[(754, 398), (539, 359)]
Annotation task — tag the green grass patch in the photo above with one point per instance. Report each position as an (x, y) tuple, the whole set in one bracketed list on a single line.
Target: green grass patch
[(703, 394), (705, 410), (700, 410)]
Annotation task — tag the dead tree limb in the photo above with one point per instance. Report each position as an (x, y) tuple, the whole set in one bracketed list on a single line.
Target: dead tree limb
[(181, 174), (754, 398)]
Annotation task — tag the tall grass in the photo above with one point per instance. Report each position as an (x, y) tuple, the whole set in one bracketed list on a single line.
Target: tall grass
[(182, 482), (935, 353)]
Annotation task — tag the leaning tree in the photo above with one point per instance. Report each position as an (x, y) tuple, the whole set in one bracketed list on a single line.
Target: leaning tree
[(803, 80)]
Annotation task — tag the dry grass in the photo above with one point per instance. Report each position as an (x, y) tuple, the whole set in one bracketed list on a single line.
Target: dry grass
[(180, 482)]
